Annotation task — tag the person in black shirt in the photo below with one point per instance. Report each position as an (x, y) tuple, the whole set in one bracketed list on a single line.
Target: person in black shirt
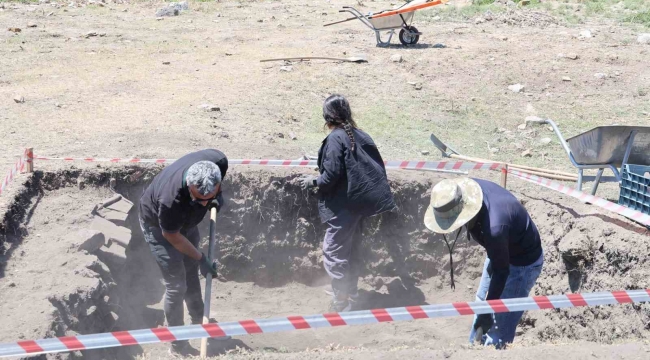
[(352, 185), (169, 211), (498, 222)]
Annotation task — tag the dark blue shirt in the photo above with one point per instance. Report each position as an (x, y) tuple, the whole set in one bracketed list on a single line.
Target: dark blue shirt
[(506, 231)]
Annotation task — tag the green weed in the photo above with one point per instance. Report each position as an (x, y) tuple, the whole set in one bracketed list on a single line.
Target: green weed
[(642, 18)]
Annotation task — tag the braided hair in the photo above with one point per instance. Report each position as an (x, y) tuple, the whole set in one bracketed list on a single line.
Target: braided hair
[(337, 113)]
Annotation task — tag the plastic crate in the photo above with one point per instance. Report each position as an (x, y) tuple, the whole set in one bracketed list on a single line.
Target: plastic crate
[(635, 188)]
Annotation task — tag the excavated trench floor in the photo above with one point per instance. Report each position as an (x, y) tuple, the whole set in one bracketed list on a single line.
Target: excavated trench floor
[(269, 240)]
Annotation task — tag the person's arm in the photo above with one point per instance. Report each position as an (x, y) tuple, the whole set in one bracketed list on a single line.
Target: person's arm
[(180, 243), (171, 223), (333, 165), (499, 254), (223, 166)]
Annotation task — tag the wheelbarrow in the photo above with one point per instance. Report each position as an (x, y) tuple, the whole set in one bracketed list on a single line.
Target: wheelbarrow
[(398, 18), (605, 147)]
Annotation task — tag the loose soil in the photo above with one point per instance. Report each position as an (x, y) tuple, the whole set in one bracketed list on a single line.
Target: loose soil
[(269, 249)]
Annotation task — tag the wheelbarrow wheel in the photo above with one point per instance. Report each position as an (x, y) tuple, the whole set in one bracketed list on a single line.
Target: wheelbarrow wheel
[(407, 36)]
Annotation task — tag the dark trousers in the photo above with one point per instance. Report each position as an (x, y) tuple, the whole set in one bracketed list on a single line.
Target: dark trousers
[(341, 248), (180, 274)]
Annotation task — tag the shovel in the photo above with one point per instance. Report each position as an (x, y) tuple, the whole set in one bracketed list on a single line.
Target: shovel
[(447, 151), (208, 281), (354, 59)]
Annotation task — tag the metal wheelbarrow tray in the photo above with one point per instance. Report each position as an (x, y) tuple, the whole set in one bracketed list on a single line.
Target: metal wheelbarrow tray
[(606, 147), (399, 18)]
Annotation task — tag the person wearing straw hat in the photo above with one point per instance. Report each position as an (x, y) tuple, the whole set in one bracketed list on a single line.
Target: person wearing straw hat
[(498, 222)]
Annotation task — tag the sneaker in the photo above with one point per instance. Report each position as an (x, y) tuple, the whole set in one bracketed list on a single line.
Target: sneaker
[(212, 321), (182, 349)]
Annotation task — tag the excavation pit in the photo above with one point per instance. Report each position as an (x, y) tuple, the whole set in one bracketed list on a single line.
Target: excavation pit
[(269, 238)]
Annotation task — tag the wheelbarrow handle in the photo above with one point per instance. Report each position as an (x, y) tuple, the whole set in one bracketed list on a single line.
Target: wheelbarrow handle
[(537, 121), (558, 133)]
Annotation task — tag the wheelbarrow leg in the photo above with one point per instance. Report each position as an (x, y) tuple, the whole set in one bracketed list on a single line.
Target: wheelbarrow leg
[(597, 181), (384, 43), (579, 186)]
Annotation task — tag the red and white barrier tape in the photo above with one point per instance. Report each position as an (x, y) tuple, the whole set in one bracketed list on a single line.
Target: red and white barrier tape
[(291, 323), (17, 168), (600, 202), (413, 165), (406, 165)]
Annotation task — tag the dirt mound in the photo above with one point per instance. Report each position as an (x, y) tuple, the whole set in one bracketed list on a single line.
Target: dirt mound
[(586, 251)]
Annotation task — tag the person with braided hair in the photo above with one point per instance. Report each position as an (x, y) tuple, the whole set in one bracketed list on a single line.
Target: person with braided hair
[(352, 185)]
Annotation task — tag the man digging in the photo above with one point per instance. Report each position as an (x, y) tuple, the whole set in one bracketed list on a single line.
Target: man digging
[(170, 210), (499, 223)]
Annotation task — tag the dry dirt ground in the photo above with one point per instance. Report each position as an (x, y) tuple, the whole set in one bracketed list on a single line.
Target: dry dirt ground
[(135, 90)]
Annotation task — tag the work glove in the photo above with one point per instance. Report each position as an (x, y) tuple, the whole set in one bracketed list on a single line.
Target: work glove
[(484, 321), (308, 182), (206, 266)]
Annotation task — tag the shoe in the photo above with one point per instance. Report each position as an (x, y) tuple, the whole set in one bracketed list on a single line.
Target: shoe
[(329, 291), (340, 306), (182, 349), (211, 321)]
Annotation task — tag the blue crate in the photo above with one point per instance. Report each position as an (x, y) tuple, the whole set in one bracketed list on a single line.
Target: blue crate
[(635, 188)]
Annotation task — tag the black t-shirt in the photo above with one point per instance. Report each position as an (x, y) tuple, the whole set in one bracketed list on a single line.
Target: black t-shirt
[(166, 203), (507, 233)]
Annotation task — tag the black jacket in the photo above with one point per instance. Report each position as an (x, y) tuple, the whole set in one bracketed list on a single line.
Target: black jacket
[(353, 180)]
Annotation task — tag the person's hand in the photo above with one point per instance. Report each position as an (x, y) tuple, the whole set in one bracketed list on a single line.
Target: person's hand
[(485, 322), (216, 202), (206, 266), (308, 182)]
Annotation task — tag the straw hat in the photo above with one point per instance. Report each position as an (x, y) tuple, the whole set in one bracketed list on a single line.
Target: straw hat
[(454, 202)]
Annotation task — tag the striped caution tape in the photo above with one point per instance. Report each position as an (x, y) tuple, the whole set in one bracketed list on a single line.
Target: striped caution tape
[(17, 168), (291, 323), (408, 165), (600, 202)]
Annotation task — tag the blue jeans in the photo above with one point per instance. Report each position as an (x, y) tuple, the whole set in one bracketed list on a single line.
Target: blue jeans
[(520, 281)]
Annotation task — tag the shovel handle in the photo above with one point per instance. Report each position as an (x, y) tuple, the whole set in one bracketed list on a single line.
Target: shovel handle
[(208, 280), (551, 174), (342, 21)]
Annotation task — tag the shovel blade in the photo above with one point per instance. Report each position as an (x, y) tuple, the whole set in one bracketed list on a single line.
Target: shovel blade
[(358, 59), (446, 150)]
